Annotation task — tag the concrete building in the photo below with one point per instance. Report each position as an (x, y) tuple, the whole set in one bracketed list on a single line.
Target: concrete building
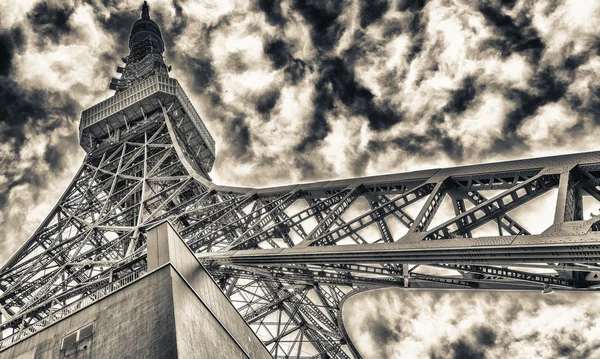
[(174, 310)]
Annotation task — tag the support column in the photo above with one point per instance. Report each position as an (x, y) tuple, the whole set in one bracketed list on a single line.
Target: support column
[(569, 206), (202, 312)]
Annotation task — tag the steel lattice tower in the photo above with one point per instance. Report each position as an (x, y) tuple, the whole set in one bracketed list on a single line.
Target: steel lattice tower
[(287, 257)]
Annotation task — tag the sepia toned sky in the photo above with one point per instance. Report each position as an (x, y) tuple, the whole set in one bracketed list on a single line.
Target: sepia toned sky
[(300, 90)]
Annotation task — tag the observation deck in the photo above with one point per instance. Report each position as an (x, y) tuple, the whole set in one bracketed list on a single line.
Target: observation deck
[(106, 120)]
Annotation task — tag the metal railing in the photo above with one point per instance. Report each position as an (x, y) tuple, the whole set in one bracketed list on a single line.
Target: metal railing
[(70, 308), (139, 91), (136, 92)]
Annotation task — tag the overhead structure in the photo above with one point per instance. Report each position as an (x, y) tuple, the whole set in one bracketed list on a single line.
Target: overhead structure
[(288, 256)]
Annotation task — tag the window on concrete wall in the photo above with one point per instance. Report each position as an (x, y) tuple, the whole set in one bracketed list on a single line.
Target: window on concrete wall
[(77, 336), (68, 341)]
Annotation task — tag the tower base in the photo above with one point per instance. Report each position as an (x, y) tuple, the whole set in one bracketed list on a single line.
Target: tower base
[(175, 310)]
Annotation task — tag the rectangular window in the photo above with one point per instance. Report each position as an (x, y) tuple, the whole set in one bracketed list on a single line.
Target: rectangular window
[(69, 341), (86, 331), (74, 337)]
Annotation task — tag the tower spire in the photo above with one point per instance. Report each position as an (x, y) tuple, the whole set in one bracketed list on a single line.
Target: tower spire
[(146, 47), (145, 11)]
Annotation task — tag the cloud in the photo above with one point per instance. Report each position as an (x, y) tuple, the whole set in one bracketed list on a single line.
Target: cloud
[(25, 112), (390, 323), (323, 19), (50, 20), (371, 11), (511, 34), (310, 90), (461, 98), (266, 102), (272, 10), (485, 336), (240, 131), (8, 42)]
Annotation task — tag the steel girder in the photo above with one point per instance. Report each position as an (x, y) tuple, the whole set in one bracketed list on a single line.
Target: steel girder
[(287, 256)]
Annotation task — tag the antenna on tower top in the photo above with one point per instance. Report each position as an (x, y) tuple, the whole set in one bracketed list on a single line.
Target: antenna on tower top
[(145, 11)]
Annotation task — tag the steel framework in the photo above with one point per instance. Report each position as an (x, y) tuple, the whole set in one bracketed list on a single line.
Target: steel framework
[(287, 256)]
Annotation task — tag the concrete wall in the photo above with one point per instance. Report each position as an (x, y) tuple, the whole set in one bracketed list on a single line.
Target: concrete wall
[(136, 321), (167, 246), (199, 335), (175, 311)]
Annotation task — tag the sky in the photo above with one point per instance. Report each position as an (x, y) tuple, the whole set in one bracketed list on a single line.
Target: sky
[(298, 91), (400, 323)]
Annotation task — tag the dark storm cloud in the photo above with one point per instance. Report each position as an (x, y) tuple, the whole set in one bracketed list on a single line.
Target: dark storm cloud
[(392, 28), (361, 46), (272, 11), (549, 84), (296, 70), (512, 35), (198, 64), (43, 111), (337, 82), (371, 11), (202, 71), (322, 16), (15, 109), (241, 138), (115, 21), (463, 335), (172, 27), (338, 92), (323, 102), (179, 22), (463, 349), (281, 57), (308, 168), (267, 101), (411, 5), (586, 104), (572, 345), (26, 177), (461, 98), (236, 63), (360, 163), (485, 336), (318, 128), (204, 76), (416, 26), (50, 20), (382, 334), (278, 52), (9, 42), (545, 88), (23, 111), (425, 145), (118, 24)]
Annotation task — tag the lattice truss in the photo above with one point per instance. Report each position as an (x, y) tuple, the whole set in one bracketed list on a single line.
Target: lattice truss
[(288, 256)]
